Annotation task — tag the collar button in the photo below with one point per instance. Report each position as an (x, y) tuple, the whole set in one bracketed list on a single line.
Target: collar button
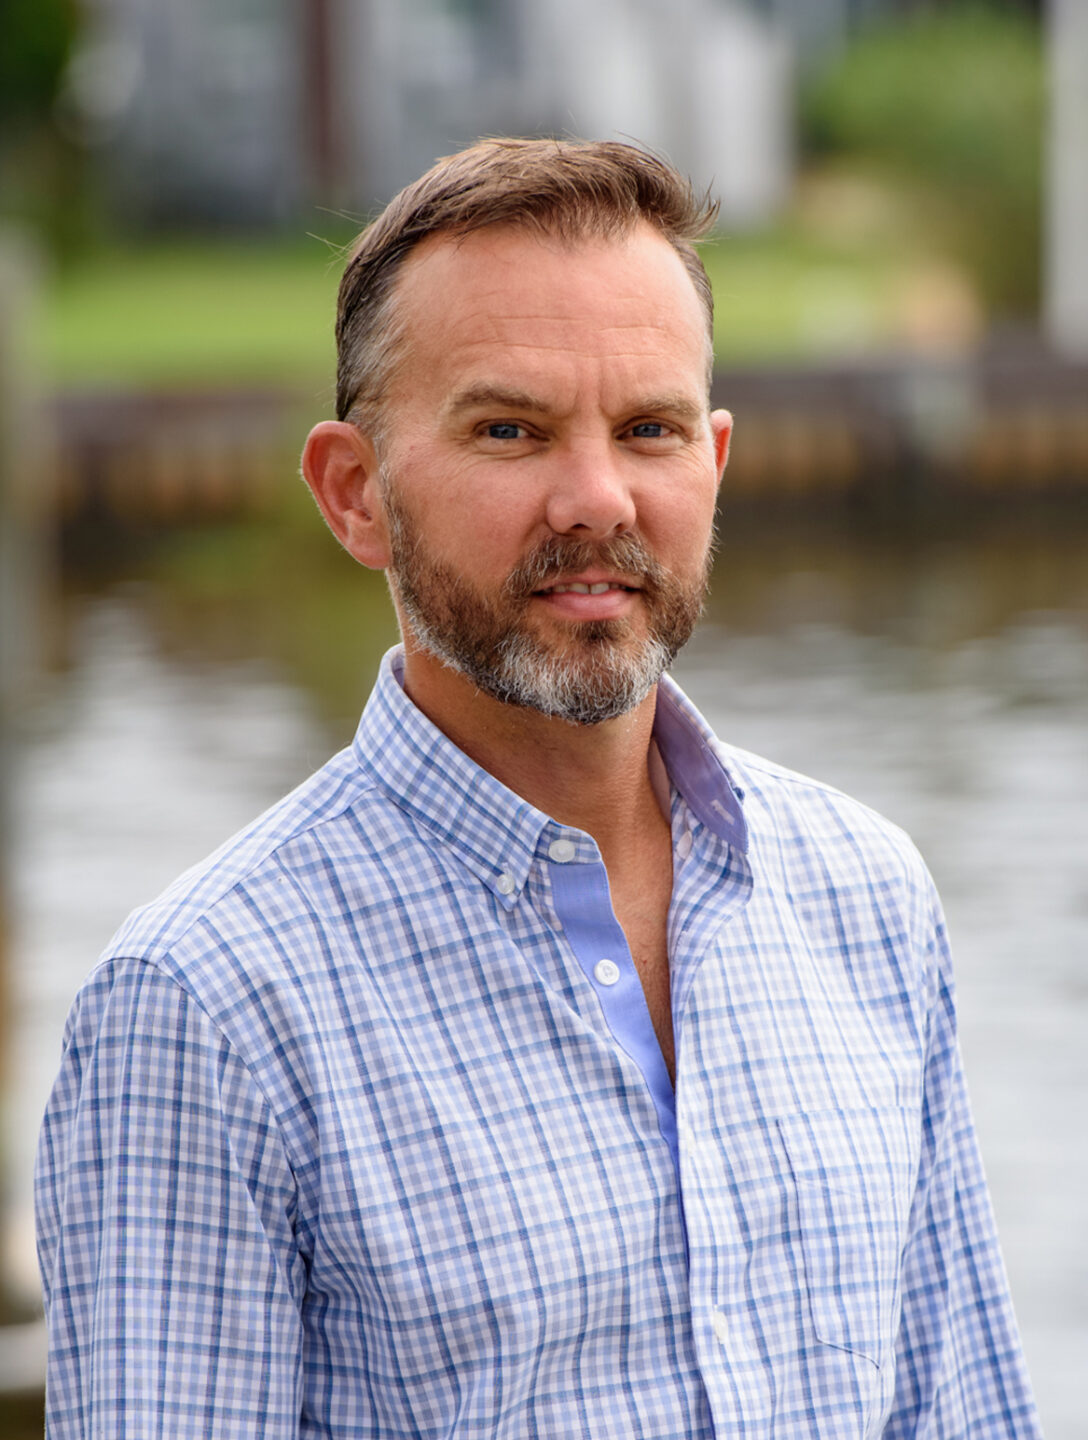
[(561, 851)]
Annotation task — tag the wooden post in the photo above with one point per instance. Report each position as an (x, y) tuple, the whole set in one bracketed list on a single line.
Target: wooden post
[(23, 499), (1066, 267), (23, 520)]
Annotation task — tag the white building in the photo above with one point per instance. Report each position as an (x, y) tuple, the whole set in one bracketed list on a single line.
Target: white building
[(245, 111)]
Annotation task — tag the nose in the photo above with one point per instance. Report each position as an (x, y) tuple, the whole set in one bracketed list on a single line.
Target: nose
[(590, 496)]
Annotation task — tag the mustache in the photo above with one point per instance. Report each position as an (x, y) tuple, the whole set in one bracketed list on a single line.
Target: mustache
[(559, 555)]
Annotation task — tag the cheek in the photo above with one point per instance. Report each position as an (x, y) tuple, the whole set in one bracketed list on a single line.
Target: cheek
[(451, 490), (684, 527), (481, 534)]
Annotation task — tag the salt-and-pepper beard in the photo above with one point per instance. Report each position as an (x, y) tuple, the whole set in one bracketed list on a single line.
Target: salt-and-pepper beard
[(601, 671)]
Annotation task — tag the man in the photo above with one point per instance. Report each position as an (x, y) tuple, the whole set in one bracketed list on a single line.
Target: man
[(541, 1067)]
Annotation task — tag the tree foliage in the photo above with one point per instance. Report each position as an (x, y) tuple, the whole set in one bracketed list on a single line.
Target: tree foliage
[(952, 99), (36, 41)]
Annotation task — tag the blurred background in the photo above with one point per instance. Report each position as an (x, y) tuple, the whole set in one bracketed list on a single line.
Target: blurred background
[(900, 604)]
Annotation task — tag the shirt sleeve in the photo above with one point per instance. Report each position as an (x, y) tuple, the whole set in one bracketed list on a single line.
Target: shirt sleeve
[(960, 1368), (165, 1216)]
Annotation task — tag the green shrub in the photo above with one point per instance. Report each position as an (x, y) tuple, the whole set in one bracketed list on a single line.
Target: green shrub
[(953, 100), (37, 38)]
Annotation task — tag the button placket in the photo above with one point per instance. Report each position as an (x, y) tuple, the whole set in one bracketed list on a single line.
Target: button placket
[(582, 902)]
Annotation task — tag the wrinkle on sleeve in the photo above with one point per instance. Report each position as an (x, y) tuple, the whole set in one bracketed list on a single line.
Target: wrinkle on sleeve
[(165, 1216), (960, 1368)]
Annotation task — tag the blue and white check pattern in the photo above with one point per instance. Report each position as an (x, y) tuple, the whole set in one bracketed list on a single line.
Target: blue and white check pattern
[(355, 1136)]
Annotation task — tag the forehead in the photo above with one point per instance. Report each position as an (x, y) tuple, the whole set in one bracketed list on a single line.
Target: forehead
[(532, 298)]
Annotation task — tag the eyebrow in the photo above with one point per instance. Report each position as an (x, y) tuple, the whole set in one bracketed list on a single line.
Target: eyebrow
[(475, 397), (670, 403), (485, 395)]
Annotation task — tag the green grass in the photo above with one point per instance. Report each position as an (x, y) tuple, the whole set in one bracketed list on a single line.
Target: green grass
[(781, 296), (205, 313), (193, 314)]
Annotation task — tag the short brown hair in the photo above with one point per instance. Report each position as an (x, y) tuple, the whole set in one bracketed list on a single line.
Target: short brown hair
[(565, 188)]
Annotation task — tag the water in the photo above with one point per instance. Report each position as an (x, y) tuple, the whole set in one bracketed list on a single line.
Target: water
[(944, 681)]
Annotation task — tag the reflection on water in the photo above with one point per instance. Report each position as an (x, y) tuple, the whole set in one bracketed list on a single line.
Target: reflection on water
[(947, 685)]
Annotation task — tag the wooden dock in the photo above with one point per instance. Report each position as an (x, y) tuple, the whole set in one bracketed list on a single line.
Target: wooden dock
[(1010, 422), (159, 457)]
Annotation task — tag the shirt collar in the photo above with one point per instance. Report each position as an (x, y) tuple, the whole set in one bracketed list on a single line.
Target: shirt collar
[(494, 831), (691, 752)]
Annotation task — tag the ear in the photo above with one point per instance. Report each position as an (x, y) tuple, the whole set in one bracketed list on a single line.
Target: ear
[(340, 465), (721, 425)]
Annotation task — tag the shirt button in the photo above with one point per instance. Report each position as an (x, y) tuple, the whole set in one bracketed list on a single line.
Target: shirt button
[(683, 845), (506, 884), (607, 972), (561, 851), (720, 1326)]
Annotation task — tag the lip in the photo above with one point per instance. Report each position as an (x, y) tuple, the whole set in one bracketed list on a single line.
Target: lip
[(591, 578), (611, 604)]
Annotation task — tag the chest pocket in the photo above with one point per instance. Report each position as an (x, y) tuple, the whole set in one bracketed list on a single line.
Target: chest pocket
[(853, 1173)]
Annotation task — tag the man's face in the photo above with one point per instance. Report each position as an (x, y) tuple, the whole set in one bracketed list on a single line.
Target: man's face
[(550, 472)]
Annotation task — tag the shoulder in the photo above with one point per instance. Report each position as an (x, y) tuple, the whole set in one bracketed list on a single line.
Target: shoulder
[(248, 953), (854, 881), (230, 911), (794, 815)]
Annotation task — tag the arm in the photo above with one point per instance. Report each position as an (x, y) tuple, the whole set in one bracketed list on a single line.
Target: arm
[(960, 1370), (165, 1208)]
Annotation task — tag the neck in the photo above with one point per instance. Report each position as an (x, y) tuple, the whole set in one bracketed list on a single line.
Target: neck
[(594, 778)]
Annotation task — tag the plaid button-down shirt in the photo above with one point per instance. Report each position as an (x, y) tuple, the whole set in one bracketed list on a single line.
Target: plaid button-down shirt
[(362, 1129)]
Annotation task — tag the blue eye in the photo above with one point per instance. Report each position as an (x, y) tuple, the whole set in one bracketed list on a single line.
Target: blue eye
[(504, 430), (648, 430)]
